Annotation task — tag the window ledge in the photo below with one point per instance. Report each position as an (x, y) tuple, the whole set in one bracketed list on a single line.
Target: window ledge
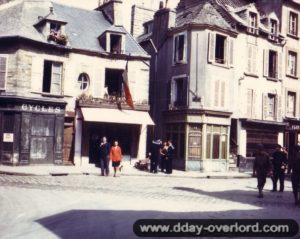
[(293, 77), (272, 79), (251, 74), (52, 95), (293, 36), (179, 63), (221, 65)]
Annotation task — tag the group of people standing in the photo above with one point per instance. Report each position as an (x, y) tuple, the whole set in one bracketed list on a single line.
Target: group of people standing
[(107, 154), (161, 156), (276, 167)]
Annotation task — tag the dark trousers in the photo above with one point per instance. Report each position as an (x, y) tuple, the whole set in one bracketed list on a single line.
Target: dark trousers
[(104, 165), (163, 164), (153, 166), (169, 166), (295, 185), (261, 180), (278, 175)]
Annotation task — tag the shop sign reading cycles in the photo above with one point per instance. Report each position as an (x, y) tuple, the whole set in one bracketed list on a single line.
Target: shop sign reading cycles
[(41, 108)]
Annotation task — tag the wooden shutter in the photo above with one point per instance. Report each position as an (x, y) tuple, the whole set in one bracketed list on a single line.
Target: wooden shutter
[(265, 106), (223, 95), (37, 73), (249, 103), (254, 59), (175, 52), (3, 63), (254, 96), (249, 65), (231, 52), (56, 78), (211, 46), (279, 65), (266, 62), (217, 90), (278, 113)]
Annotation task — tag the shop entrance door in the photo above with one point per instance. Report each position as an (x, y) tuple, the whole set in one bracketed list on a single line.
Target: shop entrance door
[(42, 139)]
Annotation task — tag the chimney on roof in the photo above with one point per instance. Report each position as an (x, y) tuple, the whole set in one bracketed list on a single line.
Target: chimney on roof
[(113, 9)]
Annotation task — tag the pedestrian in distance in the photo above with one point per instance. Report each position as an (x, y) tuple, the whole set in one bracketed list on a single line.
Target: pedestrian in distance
[(163, 155), (295, 176), (104, 150), (169, 158), (279, 163), (115, 156), (154, 155), (261, 168)]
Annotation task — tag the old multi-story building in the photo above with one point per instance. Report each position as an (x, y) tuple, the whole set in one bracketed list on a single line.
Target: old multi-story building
[(63, 71), (224, 78)]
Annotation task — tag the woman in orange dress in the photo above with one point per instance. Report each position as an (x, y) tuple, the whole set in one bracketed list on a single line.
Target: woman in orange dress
[(116, 157)]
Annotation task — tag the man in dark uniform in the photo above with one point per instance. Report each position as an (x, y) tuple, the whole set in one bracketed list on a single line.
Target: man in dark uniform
[(154, 155), (279, 163), (104, 150), (261, 168), (169, 157), (295, 177)]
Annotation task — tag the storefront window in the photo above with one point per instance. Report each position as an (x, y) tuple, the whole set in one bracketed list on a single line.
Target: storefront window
[(195, 142), (216, 142), (176, 133)]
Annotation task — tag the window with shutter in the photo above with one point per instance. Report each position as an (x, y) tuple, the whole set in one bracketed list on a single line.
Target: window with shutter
[(217, 95), (249, 103), (292, 63), (52, 78), (179, 92), (180, 48), (290, 104), (293, 24), (3, 66), (211, 47), (223, 94)]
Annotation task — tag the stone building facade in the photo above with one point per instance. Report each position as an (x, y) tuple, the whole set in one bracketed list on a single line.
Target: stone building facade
[(63, 72), (224, 77)]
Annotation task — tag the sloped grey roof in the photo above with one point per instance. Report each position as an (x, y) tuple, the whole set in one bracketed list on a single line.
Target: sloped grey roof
[(204, 12), (83, 27), (235, 3)]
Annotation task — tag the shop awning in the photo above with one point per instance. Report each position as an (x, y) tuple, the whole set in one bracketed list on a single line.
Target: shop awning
[(116, 116)]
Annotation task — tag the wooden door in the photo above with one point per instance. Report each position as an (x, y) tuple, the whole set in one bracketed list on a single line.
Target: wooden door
[(68, 144)]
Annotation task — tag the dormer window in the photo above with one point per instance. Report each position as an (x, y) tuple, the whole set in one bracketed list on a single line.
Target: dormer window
[(112, 42), (115, 43), (253, 23), (273, 29), (55, 27)]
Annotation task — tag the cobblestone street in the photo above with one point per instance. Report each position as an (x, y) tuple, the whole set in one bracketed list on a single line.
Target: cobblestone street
[(90, 206)]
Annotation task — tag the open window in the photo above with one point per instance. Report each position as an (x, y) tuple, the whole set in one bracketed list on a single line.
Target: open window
[(272, 64), (115, 43), (114, 82), (180, 48), (271, 106), (220, 50), (179, 92), (253, 23), (273, 29), (52, 77)]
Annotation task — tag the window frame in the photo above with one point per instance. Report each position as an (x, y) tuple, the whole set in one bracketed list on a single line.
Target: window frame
[(174, 91), (289, 70), (253, 23), (176, 45), (81, 83), (293, 24), (51, 78), (223, 148), (108, 42), (5, 57), (291, 114)]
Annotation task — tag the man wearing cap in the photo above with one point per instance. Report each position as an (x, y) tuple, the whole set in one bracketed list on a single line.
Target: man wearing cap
[(279, 163), (261, 168)]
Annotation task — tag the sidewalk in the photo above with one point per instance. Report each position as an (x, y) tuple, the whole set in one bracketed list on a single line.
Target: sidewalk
[(128, 170)]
